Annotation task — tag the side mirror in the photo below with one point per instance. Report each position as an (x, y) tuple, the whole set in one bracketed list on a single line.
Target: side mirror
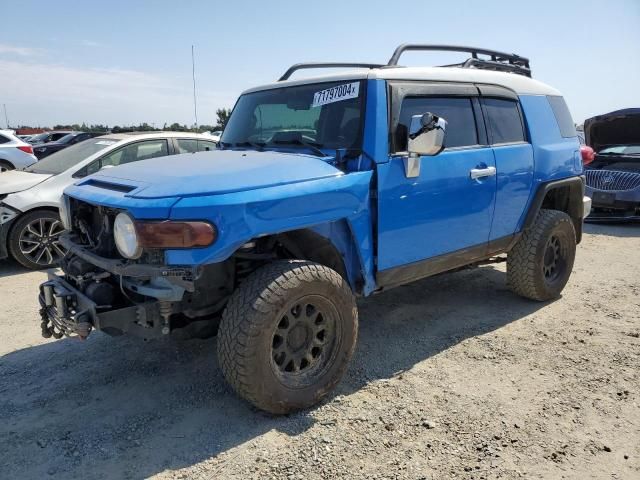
[(425, 137)]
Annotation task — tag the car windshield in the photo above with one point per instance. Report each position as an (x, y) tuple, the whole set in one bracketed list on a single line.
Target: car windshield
[(67, 138), (622, 150), (60, 161), (39, 137), (312, 116)]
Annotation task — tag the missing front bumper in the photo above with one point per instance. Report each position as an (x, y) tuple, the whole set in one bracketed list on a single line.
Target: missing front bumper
[(65, 311)]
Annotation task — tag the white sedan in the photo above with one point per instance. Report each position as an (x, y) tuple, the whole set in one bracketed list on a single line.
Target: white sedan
[(14, 152), (29, 199)]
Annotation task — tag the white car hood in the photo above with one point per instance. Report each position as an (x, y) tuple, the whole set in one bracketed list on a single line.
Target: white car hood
[(16, 181)]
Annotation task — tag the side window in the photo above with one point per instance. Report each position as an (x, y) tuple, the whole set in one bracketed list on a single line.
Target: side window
[(563, 117), (56, 136), (135, 152), (504, 121), (205, 146), (3, 139), (458, 112), (187, 145)]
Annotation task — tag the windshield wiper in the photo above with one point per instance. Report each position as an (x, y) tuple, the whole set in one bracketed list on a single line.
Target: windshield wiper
[(256, 145), (314, 147)]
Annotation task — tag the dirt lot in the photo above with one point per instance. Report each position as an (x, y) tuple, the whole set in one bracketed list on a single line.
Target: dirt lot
[(453, 377)]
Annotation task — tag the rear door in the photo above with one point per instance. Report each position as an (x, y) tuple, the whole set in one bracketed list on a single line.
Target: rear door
[(442, 217), (513, 159)]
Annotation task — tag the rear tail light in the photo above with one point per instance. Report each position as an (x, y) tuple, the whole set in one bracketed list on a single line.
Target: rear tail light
[(588, 154), (26, 149), (171, 234)]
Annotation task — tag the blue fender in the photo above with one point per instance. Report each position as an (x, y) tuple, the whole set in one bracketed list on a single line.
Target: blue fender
[(336, 208)]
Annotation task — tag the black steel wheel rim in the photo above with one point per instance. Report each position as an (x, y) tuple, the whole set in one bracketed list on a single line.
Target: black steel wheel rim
[(554, 262), (39, 241), (305, 340)]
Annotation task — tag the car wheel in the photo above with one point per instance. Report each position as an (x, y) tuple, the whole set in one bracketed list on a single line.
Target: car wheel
[(287, 335), (5, 166), (539, 265), (34, 240)]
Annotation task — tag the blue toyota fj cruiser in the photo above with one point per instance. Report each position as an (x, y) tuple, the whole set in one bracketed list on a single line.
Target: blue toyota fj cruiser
[(324, 189)]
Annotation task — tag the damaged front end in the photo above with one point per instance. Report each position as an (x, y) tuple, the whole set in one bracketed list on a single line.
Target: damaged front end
[(101, 290)]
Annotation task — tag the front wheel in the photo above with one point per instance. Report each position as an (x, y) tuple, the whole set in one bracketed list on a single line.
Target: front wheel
[(34, 240), (539, 265), (287, 335)]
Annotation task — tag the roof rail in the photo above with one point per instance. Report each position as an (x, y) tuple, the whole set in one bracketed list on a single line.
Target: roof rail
[(302, 66), (499, 61)]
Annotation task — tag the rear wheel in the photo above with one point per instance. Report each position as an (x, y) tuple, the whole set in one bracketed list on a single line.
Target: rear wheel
[(539, 265), (287, 335), (5, 166), (34, 240)]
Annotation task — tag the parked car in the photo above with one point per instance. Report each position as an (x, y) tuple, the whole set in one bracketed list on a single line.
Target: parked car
[(29, 200), (613, 177), (14, 153), (46, 137), (325, 189), (45, 149)]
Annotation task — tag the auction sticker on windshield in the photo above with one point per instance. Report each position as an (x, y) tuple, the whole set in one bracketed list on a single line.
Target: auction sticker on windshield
[(336, 94)]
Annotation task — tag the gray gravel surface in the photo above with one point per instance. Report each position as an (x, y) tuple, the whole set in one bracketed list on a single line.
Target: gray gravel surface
[(453, 377)]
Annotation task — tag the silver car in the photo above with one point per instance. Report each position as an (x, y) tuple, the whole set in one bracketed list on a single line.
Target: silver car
[(29, 199)]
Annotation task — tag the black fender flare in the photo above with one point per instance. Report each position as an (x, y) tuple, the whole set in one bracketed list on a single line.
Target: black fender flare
[(574, 207)]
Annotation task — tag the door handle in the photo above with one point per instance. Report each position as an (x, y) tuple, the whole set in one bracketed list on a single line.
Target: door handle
[(482, 172)]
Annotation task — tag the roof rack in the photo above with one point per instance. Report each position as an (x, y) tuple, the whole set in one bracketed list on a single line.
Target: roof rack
[(302, 66), (499, 61)]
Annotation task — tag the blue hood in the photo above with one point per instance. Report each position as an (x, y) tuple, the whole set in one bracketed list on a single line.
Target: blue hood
[(216, 172)]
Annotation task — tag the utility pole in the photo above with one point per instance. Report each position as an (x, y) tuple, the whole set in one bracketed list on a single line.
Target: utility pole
[(193, 75), (6, 118)]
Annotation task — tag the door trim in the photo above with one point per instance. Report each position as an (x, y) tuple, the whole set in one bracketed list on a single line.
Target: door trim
[(395, 276)]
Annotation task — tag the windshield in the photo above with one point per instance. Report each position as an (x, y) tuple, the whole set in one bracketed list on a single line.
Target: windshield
[(67, 138), (60, 161), (39, 137), (622, 149), (319, 115)]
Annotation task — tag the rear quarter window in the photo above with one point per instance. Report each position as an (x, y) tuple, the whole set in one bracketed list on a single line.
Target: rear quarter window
[(504, 121), (4, 139), (563, 117)]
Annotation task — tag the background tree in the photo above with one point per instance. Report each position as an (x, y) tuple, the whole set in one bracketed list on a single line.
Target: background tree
[(223, 117)]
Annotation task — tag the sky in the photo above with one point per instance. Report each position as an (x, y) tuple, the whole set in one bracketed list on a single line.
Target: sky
[(123, 62)]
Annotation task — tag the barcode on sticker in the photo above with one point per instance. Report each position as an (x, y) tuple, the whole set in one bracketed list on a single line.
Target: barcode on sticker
[(336, 94)]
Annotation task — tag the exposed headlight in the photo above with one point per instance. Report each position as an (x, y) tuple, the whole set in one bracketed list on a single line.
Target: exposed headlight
[(124, 233)]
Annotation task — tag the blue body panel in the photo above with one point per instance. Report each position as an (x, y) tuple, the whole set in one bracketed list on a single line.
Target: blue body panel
[(441, 211), (555, 157), (514, 166), (241, 216), (218, 171)]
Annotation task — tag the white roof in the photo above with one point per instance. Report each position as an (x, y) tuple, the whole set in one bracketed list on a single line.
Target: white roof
[(518, 83)]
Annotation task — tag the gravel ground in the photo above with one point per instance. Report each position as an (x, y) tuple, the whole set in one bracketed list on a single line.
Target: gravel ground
[(453, 377)]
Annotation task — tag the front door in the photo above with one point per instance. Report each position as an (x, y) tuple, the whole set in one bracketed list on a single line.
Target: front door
[(441, 218)]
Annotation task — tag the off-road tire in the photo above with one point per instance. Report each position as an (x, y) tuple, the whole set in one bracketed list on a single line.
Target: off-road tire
[(17, 229), (256, 310), (526, 260)]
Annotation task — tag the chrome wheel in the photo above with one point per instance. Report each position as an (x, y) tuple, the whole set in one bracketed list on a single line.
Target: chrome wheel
[(39, 241)]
